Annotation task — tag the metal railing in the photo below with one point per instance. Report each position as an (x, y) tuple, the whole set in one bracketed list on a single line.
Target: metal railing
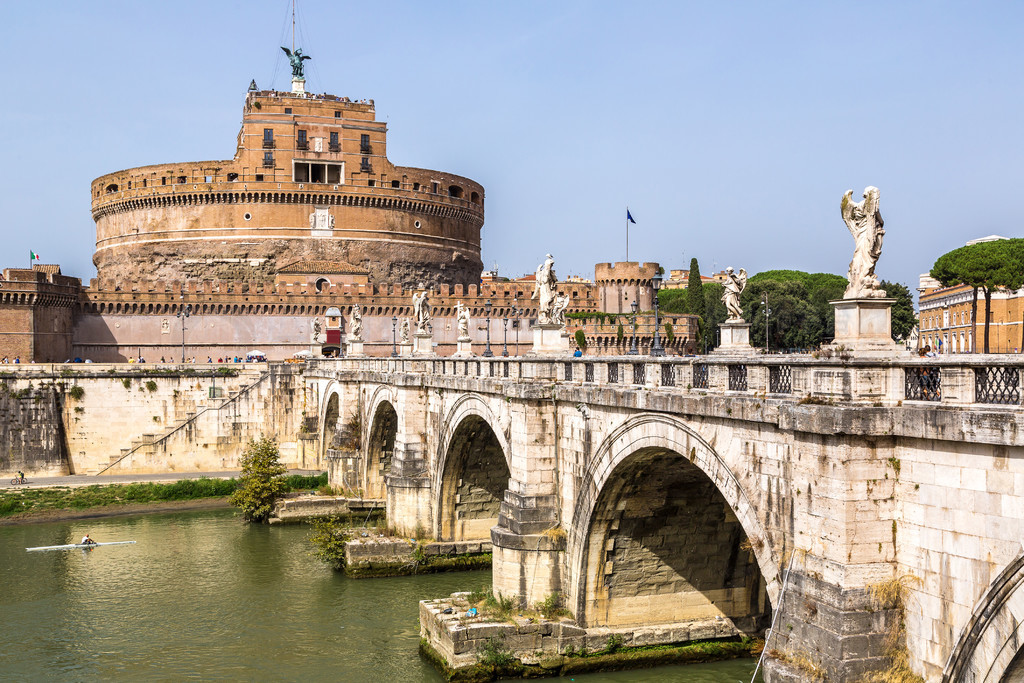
[(668, 375), (780, 379), (639, 373), (613, 373), (737, 378), (923, 384), (997, 385), (700, 376)]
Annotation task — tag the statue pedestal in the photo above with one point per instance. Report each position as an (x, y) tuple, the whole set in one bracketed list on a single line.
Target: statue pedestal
[(355, 348), (299, 86), (405, 348), (735, 335), (423, 344), (550, 339), (864, 326), (464, 347)]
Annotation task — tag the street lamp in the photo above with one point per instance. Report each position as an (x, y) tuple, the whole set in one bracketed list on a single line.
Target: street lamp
[(504, 335), (656, 348), (518, 323), (394, 339), (184, 313), (632, 347), (487, 309)]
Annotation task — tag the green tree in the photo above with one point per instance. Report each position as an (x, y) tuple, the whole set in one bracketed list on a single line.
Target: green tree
[(694, 291), (985, 266), (903, 319), (261, 482), (581, 340)]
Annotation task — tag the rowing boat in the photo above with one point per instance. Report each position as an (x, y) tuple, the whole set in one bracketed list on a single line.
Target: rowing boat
[(78, 545)]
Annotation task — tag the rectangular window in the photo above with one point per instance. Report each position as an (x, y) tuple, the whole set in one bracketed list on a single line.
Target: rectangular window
[(259, 177), (337, 114), (268, 137), (416, 186), (163, 180), (396, 183), (287, 110), (301, 141), (334, 145), (434, 187), (268, 159), (364, 143)]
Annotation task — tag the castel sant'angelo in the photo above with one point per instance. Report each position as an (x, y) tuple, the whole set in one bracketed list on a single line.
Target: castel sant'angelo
[(307, 220)]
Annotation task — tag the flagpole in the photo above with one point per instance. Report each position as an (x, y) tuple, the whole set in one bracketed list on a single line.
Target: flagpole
[(627, 234)]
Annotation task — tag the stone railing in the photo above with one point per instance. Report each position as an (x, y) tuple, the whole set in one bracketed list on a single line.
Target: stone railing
[(980, 379)]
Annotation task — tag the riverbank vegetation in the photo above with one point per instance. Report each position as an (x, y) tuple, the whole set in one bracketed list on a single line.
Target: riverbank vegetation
[(24, 502), (262, 480)]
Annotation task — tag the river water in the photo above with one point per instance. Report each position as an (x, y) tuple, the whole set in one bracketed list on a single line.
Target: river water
[(203, 596)]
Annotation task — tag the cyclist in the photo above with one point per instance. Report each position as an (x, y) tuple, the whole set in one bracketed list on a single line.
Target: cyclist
[(21, 475)]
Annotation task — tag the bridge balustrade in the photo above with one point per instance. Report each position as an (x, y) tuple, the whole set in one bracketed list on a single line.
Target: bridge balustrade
[(955, 380)]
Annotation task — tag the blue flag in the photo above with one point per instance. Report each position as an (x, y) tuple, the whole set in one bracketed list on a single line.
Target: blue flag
[(629, 217)]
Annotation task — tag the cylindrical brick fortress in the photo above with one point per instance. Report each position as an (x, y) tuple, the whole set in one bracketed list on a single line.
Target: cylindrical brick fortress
[(310, 183)]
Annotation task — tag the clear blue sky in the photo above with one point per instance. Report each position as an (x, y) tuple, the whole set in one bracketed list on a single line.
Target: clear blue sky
[(731, 130)]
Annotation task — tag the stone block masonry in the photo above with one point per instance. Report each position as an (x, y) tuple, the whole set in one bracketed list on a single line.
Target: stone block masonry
[(385, 556), (151, 418)]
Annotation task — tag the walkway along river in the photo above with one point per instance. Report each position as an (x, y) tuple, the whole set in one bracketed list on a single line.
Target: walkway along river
[(202, 595)]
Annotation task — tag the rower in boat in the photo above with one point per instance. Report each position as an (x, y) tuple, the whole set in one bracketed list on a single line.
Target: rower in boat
[(87, 541)]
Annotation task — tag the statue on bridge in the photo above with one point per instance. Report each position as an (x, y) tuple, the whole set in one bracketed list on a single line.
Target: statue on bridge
[(462, 317), (559, 307), (403, 332), (295, 59), (421, 309), (544, 291), (314, 331), (865, 224), (734, 285), (357, 324)]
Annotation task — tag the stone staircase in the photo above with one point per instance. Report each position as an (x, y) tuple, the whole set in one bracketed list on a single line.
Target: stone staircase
[(147, 445)]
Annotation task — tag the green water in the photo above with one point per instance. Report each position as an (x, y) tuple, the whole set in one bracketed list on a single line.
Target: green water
[(203, 596)]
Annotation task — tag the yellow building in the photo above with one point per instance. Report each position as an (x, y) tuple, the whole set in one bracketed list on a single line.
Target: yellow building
[(946, 324)]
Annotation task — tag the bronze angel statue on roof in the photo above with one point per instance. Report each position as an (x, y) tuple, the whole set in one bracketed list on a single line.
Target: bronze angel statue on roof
[(295, 59)]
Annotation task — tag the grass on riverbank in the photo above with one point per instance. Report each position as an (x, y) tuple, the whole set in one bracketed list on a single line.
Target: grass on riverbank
[(24, 500)]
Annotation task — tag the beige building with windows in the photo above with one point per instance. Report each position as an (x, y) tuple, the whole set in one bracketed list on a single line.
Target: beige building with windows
[(946, 323)]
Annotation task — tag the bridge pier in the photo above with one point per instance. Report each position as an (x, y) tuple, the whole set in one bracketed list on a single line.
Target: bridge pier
[(409, 493), (528, 548)]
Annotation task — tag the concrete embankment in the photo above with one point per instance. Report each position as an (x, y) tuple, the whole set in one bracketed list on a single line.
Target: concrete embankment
[(301, 507), (381, 556)]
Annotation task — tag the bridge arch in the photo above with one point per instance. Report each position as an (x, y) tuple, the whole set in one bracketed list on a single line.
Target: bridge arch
[(652, 498), (989, 649), (382, 429), (473, 471), (330, 412)]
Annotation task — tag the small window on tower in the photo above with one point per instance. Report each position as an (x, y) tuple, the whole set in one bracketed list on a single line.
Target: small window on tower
[(287, 110), (337, 114)]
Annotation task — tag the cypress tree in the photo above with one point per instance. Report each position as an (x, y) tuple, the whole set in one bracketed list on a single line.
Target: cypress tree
[(694, 291)]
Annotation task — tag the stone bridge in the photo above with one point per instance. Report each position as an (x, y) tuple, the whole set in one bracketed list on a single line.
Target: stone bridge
[(673, 494)]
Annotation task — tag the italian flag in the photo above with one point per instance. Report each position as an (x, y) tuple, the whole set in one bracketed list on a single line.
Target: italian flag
[(33, 256)]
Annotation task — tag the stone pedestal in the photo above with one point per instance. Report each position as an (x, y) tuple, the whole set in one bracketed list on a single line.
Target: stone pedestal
[(355, 348), (735, 336), (864, 327), (464, 347), (550, 340), (422, 344), (299, 85), (405, 349)]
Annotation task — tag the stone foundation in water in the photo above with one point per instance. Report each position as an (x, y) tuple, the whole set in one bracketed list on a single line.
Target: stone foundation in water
[(468, 648), (385, 556)]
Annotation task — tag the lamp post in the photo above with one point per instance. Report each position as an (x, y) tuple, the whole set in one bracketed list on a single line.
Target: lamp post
[(518, 323), (487, 309), (184, 313), (504, 335), (394, 338), (632, 347), (656, 348)]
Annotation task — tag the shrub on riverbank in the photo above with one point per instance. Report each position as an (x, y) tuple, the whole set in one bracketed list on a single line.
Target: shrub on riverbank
[(262, 481), (22, 500)]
